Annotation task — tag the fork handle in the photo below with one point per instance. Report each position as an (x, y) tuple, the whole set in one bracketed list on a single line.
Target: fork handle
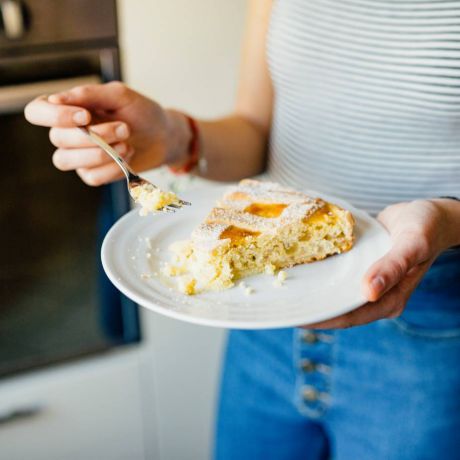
[(107, 148)]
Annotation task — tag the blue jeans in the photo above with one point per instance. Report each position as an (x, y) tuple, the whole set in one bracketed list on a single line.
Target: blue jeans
[(389, 390)]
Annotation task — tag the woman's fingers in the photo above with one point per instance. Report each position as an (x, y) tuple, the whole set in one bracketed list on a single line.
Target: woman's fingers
[(43, 113), (109, 96), (101, 175), (70, 138), (92, 157), (72, 107), (406, 253), (362, 315), (390, 305), (105, 173)]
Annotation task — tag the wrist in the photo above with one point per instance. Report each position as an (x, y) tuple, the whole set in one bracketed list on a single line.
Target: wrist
[(192, 159), (178, 138), (450, 212)]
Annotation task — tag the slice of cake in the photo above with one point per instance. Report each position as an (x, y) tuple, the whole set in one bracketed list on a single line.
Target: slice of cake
[(259, 227)]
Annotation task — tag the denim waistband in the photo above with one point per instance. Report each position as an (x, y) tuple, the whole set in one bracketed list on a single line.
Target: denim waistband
[(452, 255), (439, 290), (444, 271)]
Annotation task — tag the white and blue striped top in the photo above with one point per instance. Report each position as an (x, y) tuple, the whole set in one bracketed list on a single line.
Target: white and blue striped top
[(367, 98)]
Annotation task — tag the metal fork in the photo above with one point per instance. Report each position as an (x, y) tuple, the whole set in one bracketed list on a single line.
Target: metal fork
[(133, 179)]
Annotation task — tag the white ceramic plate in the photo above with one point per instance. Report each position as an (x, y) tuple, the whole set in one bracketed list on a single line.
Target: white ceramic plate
[(311, 293)]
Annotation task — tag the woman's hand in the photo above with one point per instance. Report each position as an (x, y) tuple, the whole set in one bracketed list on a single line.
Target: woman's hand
[(420, 231), (140, 130)]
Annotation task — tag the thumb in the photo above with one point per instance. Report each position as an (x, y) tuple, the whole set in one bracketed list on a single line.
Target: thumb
[(388, 271), (108, 96)]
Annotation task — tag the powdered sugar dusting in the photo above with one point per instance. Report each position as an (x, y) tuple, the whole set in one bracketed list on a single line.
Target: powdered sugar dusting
[(298, 211), (237, 199), (253, 191), (242, 219), (207, 235)]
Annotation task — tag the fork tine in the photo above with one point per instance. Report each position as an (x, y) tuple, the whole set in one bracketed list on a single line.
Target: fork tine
[(172, 207), (179, 206)]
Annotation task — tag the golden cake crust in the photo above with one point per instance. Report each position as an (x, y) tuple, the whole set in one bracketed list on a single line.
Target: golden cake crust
[(247, 206)]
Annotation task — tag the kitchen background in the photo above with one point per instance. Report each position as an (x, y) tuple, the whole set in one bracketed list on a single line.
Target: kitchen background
[(75, 383)]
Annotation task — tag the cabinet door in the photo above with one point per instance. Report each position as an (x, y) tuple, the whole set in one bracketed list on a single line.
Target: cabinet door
[(89, 410)]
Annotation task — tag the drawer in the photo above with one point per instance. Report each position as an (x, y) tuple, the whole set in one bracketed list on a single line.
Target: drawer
[(89, 410)]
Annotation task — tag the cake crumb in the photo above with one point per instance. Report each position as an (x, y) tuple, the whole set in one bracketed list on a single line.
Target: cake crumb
[(187, 286), (280, 278), (249, 290), (270, 269), (172, 270), (149, 255), (146, 276)]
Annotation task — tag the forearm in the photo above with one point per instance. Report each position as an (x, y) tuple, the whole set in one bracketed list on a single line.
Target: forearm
[(233, 147), (451, 214)]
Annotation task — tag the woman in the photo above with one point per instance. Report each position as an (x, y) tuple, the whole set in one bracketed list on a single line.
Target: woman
[(361, 100)]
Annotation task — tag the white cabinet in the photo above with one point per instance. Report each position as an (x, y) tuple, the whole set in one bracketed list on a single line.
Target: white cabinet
[(186, 370), (89, 410)]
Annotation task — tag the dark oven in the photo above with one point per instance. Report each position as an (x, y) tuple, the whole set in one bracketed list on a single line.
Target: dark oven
[(56, 304)]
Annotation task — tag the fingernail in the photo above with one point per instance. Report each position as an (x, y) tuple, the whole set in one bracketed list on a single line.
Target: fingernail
[(378, 284), (121, 132), (120, 148), (58, 97), (80, 117)]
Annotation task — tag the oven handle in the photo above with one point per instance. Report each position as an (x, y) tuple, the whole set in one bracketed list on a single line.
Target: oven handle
[(13, 99), (13, 19), (19, 413)]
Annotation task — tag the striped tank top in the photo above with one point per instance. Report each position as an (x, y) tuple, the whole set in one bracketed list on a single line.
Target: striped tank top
[(367, 98)]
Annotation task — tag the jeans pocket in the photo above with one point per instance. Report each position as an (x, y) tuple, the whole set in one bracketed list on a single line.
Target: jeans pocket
[(433, 311), (428, 330)]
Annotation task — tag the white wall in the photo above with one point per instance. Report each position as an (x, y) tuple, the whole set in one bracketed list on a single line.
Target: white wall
[(185, 54)]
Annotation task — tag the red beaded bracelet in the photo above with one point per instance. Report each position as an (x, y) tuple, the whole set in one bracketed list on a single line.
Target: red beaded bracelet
[(193, 151)]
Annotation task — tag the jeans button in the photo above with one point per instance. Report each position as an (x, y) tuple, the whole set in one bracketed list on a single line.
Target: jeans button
[(310, 394), (309, 337), (307, 365)]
